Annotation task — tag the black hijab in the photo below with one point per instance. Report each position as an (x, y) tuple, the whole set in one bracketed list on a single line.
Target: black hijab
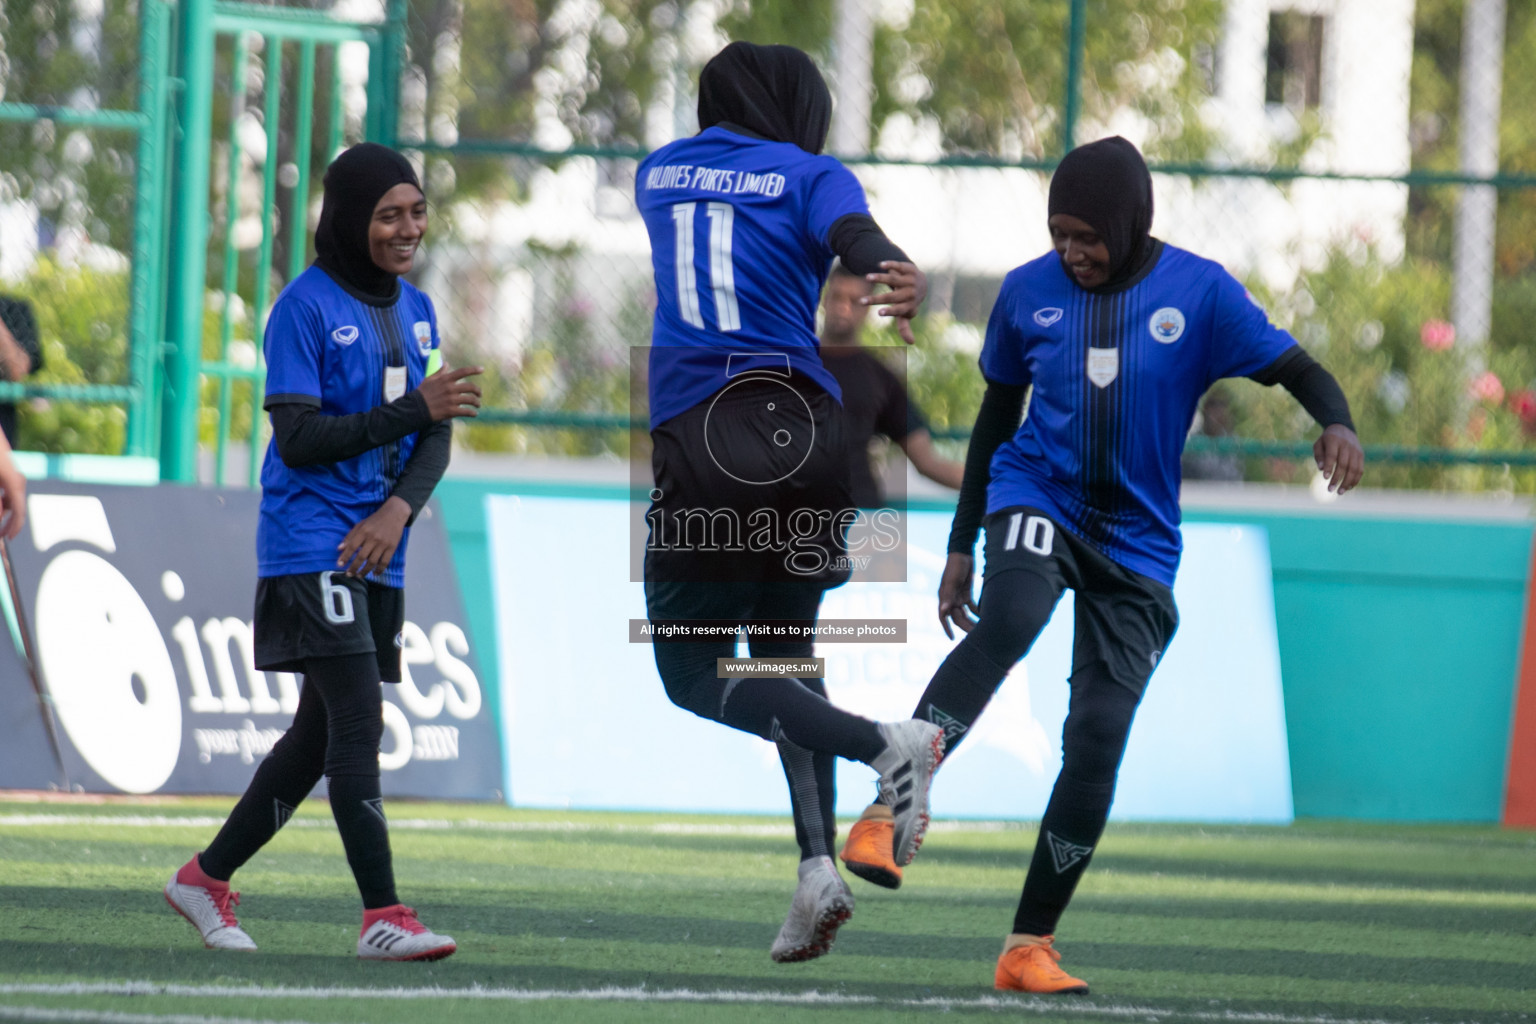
[(1106, 185), (772, 91), (354, 184)]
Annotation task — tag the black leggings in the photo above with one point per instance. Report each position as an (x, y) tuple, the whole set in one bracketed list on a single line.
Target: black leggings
[(1015, 606), (336, 732)]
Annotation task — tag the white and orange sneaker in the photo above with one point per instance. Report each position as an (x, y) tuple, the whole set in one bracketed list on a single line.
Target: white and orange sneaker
[(207, 903), (394, 933)]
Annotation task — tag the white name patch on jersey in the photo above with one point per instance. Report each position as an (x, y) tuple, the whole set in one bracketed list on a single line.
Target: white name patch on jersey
[(1103, 366)]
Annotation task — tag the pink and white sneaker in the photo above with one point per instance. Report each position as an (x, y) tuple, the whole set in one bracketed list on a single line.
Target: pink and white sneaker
[(207, 903), (393, 933)]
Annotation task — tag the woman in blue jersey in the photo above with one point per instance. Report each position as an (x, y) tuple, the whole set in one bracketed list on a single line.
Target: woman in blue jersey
[(1118, 335), (747, 520), (360, 437)]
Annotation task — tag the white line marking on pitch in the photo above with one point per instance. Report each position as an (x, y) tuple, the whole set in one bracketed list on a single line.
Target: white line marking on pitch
[(681, 828), (46, 1014), (615, 994)]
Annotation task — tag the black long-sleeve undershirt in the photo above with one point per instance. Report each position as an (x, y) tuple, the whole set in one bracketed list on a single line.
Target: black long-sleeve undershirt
[(1002, 407), (306, 437), (1310, 384), (861, 245)]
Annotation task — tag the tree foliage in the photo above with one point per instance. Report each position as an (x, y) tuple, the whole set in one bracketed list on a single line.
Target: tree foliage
[(52, 55)]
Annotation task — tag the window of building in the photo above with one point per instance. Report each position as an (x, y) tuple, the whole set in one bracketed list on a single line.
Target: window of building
[(1293, 77)]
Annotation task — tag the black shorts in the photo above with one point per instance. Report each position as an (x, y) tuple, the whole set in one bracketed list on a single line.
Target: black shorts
[(1123, 619), (326, 615), (751, 485)]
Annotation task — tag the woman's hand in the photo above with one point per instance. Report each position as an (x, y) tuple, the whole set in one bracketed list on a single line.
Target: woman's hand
[(371, 544), (909, 287), (1339, 457), (449, 393), (956, 605)]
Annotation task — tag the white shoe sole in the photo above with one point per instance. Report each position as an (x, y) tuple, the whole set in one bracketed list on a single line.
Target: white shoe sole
[(823, 933)]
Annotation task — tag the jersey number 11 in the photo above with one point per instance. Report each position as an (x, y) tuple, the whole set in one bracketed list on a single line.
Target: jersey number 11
[(722, 276)]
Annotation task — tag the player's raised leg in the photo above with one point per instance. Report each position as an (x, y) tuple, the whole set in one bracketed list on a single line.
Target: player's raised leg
[(1015, 606)]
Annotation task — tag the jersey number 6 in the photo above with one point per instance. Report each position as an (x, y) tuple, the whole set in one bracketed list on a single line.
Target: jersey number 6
[(722, 276), (336, 599)]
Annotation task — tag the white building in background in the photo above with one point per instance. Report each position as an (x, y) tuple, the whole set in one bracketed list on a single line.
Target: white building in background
[(1283, 67)]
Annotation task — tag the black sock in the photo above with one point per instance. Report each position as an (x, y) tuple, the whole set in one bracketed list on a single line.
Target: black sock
[(359, 812), (776, 708), (1073, 822), (812, 797)]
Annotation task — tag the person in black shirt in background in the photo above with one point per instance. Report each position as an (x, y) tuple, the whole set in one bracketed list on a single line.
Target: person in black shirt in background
[(875, 400), (21, 353)]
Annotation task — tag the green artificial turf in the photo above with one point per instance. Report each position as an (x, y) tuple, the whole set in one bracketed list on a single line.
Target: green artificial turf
[(629, 917)]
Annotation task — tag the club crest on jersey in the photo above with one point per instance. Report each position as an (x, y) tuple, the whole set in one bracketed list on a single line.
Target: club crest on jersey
[(344, 335), (1167, 325), (423, 332), (1047, 316), (1103, 366)]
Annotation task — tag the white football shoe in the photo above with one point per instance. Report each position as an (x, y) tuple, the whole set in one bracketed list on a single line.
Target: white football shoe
[(822, 903), (209, 908), (394, 933), (912, 753)]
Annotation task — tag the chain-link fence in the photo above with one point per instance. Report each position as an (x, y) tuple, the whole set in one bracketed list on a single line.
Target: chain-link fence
[(69, 151), (1366, 166), (1319, 150)]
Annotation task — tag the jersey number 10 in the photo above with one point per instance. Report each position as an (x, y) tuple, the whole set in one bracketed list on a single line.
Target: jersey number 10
[(722, 276)]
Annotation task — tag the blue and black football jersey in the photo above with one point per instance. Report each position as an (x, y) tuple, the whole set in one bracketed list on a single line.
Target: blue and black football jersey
[(738, 230), (328, 349), (1117, 379)]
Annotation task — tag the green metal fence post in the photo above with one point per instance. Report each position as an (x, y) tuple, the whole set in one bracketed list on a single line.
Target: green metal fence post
[(271, 111), (1077, 26), (385, 60), (189, 215), (149, 211), (298, 220), (240, 67)]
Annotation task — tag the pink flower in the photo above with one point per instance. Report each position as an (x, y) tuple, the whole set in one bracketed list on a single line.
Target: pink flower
[(1437, 335), (1486, 387), (1523, 402)]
